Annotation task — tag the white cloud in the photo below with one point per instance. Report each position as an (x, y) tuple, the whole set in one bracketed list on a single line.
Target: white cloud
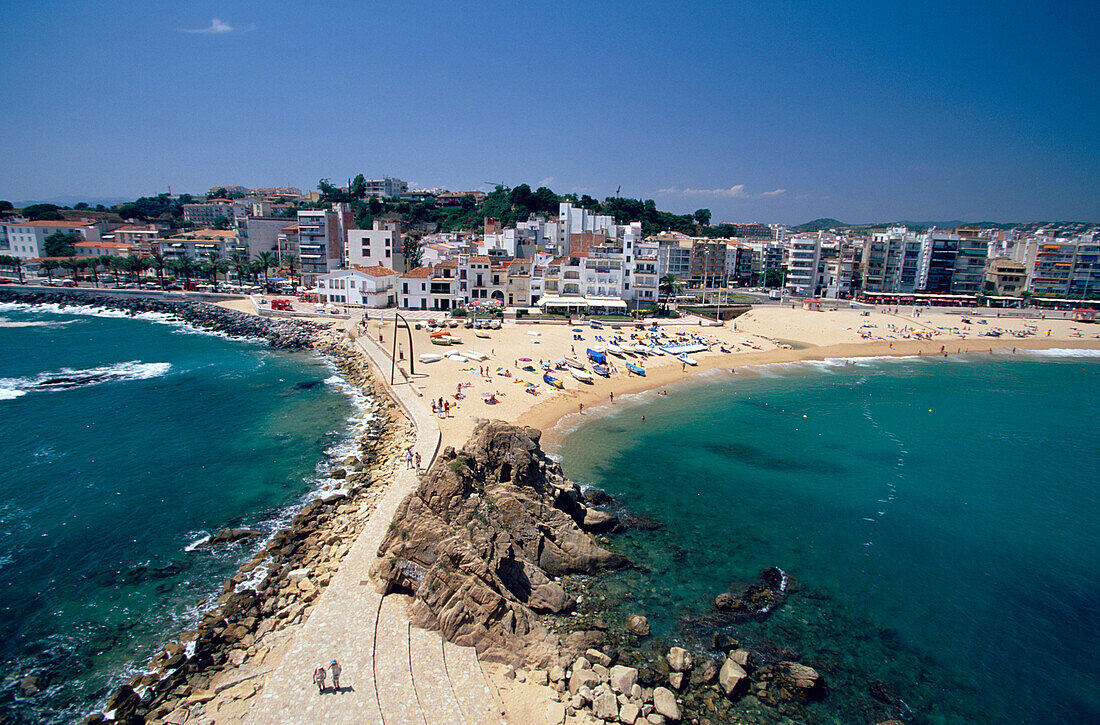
[(547, 181), (217, 27), (737, 191)]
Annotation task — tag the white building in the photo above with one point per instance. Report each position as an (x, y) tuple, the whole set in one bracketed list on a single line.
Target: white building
[(803, 258), (574, 220), (26, 240), (414, 289), (374, 247), (372, 287)]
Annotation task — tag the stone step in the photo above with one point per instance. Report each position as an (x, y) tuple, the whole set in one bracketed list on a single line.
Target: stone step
[(392, 668), (433, 687), (478, 703)]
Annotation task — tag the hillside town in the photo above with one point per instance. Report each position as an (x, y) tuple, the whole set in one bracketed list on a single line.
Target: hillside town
[(574, 261)]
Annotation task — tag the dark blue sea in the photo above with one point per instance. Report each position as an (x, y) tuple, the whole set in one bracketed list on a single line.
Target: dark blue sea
[(124, 442), (941, 520)]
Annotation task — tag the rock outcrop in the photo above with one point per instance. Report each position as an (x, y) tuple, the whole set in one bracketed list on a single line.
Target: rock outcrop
[(481, 539)]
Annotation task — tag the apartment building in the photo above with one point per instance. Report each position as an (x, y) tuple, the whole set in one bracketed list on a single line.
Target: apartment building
[(321, 237), (387, 187), (374, 247), (198, 244), (1005, 276), (27, 240), (205, 213), (1060, 266), (414, 291), (891, 261)]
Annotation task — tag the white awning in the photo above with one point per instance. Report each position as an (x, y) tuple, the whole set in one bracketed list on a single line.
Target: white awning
[(552, 301), (606, 302)]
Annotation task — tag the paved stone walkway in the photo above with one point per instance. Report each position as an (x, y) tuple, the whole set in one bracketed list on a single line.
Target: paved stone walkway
[(393, 674)]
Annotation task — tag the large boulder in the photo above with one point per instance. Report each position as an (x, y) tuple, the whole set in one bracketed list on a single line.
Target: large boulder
[(638, 624), (229, 536), (481, 538), (664, 702), (732, 678), (623, 679), (801, 680), (679, 659)]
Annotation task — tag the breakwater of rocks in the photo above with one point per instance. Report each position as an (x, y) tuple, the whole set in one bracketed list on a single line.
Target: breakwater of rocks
[(283, 334)]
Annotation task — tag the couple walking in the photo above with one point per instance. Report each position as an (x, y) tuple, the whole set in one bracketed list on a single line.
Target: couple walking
[(319, 677)]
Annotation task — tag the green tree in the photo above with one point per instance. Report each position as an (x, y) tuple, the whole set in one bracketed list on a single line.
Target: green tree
[(702, 217), (668, 286), (267, 261), (159, 263), (138, 265), (43, 212), (218, 193), (774, 277), (60, 244), (254, 269), (214, 265), (290, 261), (221, 221), (413, 250), (15, 264), (105, 262), (183, 266), (118, 266), (72, 266), (49, 265), (6, 206), (239, 262), (358, 187)]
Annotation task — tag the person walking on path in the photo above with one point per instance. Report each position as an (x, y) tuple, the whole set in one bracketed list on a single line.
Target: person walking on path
[(408, 457), (319, 679), (418, 461), (335, 670)]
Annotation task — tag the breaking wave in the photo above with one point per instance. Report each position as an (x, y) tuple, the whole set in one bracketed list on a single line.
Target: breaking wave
[(67, 378)]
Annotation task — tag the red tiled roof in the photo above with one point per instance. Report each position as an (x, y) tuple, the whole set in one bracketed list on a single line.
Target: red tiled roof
[(480, 258), (376, 271), (419, 272)]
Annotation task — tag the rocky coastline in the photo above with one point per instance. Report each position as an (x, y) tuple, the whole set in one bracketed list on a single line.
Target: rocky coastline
[(284, 334), (275, 589)]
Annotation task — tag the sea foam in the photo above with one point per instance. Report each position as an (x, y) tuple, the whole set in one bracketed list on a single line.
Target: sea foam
[(67, 378)]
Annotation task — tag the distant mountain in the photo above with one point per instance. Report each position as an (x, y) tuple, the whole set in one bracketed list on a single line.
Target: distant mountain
[(71, 200), (818, 225)]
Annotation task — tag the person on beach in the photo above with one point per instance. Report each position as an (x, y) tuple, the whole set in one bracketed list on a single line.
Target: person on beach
[(418, 461), (612, 396), (335, 669), (408, 458), (580, 407), (319, 679)]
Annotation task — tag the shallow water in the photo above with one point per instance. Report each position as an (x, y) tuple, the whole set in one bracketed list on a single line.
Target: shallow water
[(940, 516), (125, 441)]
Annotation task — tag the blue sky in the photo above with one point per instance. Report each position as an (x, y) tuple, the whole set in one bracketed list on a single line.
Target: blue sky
[(765, 111)]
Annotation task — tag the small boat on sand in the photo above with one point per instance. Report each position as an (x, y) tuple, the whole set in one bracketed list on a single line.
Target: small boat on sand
[(573, 362), (687, 360), (596, 356), (601, 370), (479, 356), (552, 381), (479, 333), (614, 349), (430, 357), (635, 369), (441, 340), (456, 357), (494, 325), (584, 377)]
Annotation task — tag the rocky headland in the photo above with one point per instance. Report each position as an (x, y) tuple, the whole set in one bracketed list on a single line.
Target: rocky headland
[(283, 334)]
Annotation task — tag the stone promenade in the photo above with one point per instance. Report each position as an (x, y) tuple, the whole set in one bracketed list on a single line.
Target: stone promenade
[(393, 673)]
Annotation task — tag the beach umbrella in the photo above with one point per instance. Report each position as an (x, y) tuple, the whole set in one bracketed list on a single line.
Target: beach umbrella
[(577, 329), (525, 359)]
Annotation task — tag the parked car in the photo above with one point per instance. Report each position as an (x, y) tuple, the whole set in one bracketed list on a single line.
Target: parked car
[(68, 283)]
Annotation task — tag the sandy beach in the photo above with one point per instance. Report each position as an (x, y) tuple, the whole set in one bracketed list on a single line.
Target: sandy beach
[(763, 336)]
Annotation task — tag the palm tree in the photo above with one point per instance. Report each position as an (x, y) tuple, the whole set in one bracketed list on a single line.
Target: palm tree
[(215, 265), (49, 265), (239, 260), (267, 261), (15, 263), (184, 266), (70, 264), (254, 269), (138, 265), (668, 286), (103, 261), (79, 263), (290, 261), (118, 266), (158, 262)]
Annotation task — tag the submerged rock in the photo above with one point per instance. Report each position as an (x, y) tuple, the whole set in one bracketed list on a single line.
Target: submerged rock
[(228, 536), (754, 600), (637, 624)]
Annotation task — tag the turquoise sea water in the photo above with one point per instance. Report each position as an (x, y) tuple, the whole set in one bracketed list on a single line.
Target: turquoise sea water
[(941, 518), (166, 435)]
